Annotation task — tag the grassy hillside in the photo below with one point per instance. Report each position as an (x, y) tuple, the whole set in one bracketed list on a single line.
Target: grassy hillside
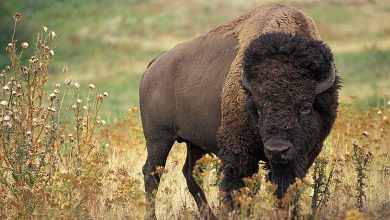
[(105, 41)]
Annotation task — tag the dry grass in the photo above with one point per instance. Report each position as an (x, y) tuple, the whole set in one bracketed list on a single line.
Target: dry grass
[(362, 130)]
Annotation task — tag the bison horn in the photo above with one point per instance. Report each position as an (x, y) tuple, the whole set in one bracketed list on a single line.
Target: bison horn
[(327, 83), (244, 81)]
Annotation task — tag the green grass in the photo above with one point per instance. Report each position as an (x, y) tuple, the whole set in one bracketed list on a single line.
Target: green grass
[(367, 71), (122, 96), (109, 43), (331, 15)]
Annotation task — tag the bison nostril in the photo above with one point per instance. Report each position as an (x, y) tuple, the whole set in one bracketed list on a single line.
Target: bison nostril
[(282, 153)]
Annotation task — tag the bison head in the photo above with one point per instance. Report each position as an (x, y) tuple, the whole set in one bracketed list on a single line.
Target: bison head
[(292, 98)]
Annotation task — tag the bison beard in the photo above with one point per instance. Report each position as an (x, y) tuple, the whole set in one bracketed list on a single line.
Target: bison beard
[(283, 176)]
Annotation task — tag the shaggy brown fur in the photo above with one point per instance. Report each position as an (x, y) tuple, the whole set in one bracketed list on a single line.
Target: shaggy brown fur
[(283, 70)]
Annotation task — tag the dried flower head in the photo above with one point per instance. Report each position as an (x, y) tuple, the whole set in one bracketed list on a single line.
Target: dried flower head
[(9, 47), (6, 118), (52, 34), (52, 96), (8, 125), (91, 86), (24, 45), (68, 82), (76, 85), (17, 17), (65, 69)]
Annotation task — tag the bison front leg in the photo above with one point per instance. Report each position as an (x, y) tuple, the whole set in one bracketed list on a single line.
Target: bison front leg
[(235, 167), (240, 154)]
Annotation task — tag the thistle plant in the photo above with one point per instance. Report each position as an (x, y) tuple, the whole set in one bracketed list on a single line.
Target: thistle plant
[(323, 170), (361, 160), (29, 125), (34, 148)]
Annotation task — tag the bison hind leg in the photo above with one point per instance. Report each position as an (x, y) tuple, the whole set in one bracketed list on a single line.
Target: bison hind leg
[(158, 148), (194, 153)]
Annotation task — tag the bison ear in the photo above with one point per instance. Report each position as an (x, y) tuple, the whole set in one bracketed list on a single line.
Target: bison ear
[(244, 81), (327, 83)]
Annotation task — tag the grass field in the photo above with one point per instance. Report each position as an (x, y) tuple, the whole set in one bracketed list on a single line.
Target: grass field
[(109, 43)]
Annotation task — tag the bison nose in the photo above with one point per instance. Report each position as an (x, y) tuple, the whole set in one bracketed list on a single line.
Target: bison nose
[(278, 151)]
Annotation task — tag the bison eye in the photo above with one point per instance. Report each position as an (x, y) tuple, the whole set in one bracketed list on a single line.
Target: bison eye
[(258, 113), (306, 109)]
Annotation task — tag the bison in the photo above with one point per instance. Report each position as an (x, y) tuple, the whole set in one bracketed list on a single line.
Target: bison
[(260, 87)]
